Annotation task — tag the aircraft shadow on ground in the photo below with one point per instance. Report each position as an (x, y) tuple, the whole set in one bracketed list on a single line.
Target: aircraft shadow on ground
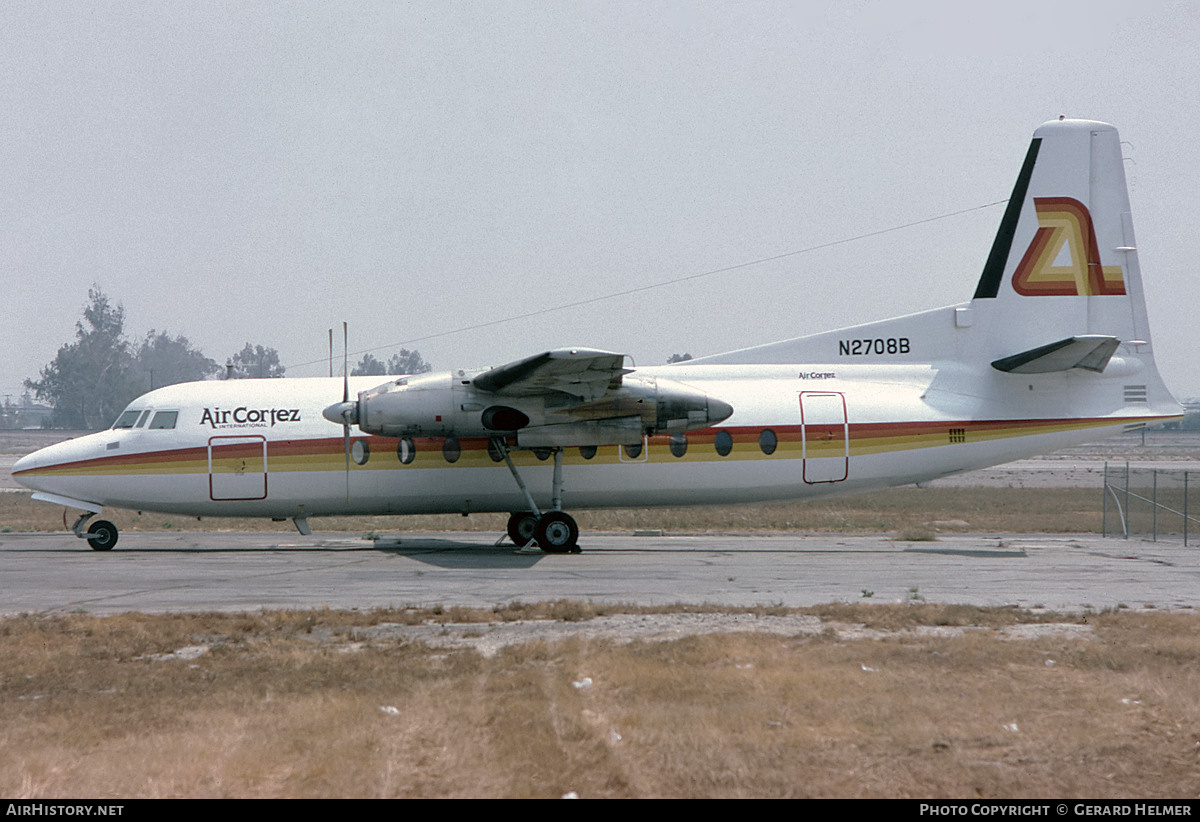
[(967, 552), (449, 553), (444, 553)]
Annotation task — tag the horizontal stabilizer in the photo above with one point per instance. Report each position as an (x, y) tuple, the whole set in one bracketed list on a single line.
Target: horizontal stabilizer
[(1089, 352)]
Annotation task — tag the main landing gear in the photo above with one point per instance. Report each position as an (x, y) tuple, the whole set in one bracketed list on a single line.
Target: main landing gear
[(554, 531), (101, 534)]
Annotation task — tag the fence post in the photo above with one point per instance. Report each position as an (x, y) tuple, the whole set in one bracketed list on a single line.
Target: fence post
[(1127, 517), (1104, 503), (1154, 498)]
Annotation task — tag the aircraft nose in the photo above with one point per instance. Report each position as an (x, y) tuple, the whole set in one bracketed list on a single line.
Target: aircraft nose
[(26, 464), (61, 471), (48, 468)]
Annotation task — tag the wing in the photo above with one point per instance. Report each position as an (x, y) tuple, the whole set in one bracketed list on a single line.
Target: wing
[(596, 405), (569, 396), (584, 373)]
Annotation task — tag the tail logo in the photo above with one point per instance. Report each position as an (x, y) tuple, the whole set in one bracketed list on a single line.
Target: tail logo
[(1063, 260)]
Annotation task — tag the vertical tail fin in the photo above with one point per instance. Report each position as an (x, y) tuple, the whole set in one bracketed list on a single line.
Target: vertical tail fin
[(1061, 292), (1058, 317), (1064, 261)]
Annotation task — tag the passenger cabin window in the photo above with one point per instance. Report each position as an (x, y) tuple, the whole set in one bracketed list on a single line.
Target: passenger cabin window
[(128, 419), (723, 442), (767, 441), (164, 419), (679, 444)]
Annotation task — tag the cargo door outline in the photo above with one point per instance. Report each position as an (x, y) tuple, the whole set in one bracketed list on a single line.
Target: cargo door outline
[(824, 436), (237, 468)]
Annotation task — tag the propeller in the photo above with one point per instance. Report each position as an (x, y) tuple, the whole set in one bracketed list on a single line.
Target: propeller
[(347, 410), (344, 412)]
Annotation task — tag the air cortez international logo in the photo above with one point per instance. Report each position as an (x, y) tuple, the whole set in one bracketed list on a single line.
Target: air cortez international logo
[(244, 417), (1064, 260)]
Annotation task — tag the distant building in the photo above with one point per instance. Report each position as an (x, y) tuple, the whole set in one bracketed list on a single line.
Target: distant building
[(25, 413)]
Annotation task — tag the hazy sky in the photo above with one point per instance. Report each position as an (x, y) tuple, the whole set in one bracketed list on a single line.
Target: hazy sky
[(260, 172)]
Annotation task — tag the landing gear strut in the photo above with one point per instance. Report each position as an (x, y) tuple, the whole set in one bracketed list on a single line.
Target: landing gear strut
[(554, 531)]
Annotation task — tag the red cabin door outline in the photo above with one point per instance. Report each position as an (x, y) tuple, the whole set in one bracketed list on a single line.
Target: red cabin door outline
[(824, 436), (237, 468)]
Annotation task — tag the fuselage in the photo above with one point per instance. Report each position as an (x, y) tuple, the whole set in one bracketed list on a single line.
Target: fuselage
[(261, 448), (1053, 348)]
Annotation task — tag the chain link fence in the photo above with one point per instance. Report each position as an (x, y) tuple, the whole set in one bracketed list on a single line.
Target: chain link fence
[(1151, 503)]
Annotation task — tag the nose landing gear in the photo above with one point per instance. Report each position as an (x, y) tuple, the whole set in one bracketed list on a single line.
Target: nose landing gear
[(101, 534)]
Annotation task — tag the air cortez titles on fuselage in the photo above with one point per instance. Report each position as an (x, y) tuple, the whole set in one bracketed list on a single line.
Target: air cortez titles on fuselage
[(243, 417)]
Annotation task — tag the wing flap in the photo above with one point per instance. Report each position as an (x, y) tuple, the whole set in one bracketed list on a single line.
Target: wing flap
[(615, 431)]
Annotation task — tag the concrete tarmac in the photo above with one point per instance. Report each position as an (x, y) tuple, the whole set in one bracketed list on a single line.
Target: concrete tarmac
[(163, 572)]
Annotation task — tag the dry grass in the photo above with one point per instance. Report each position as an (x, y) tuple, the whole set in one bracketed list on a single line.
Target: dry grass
[(900, 510), (289, 704)]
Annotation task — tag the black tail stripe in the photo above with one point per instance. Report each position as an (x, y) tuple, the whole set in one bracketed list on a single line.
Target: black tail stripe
[(993, 271)]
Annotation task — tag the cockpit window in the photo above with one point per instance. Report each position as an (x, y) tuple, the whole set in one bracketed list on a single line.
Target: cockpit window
[(164, 419), (128, 419), (142, 420)]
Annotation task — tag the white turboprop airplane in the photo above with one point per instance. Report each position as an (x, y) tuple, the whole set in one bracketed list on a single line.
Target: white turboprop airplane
[(1053, 349)]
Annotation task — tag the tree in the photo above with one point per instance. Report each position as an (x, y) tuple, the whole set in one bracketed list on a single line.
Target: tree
[(254, 362), (165, 360), (92, 379), (89, 381), (368, 366), (407, 362), (679, 358), (403, 362)]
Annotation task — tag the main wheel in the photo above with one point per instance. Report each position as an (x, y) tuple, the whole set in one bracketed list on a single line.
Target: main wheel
[(102, 535), (556, 533), (521, 526)]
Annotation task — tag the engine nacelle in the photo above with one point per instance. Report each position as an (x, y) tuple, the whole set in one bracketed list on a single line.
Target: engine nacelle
[(423, 405), (447, 404)]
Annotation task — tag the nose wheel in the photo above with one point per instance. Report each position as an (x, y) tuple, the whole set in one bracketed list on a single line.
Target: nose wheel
[(101, 534)]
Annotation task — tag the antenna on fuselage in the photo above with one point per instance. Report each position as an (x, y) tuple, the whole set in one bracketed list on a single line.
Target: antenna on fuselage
[(346, 401)]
